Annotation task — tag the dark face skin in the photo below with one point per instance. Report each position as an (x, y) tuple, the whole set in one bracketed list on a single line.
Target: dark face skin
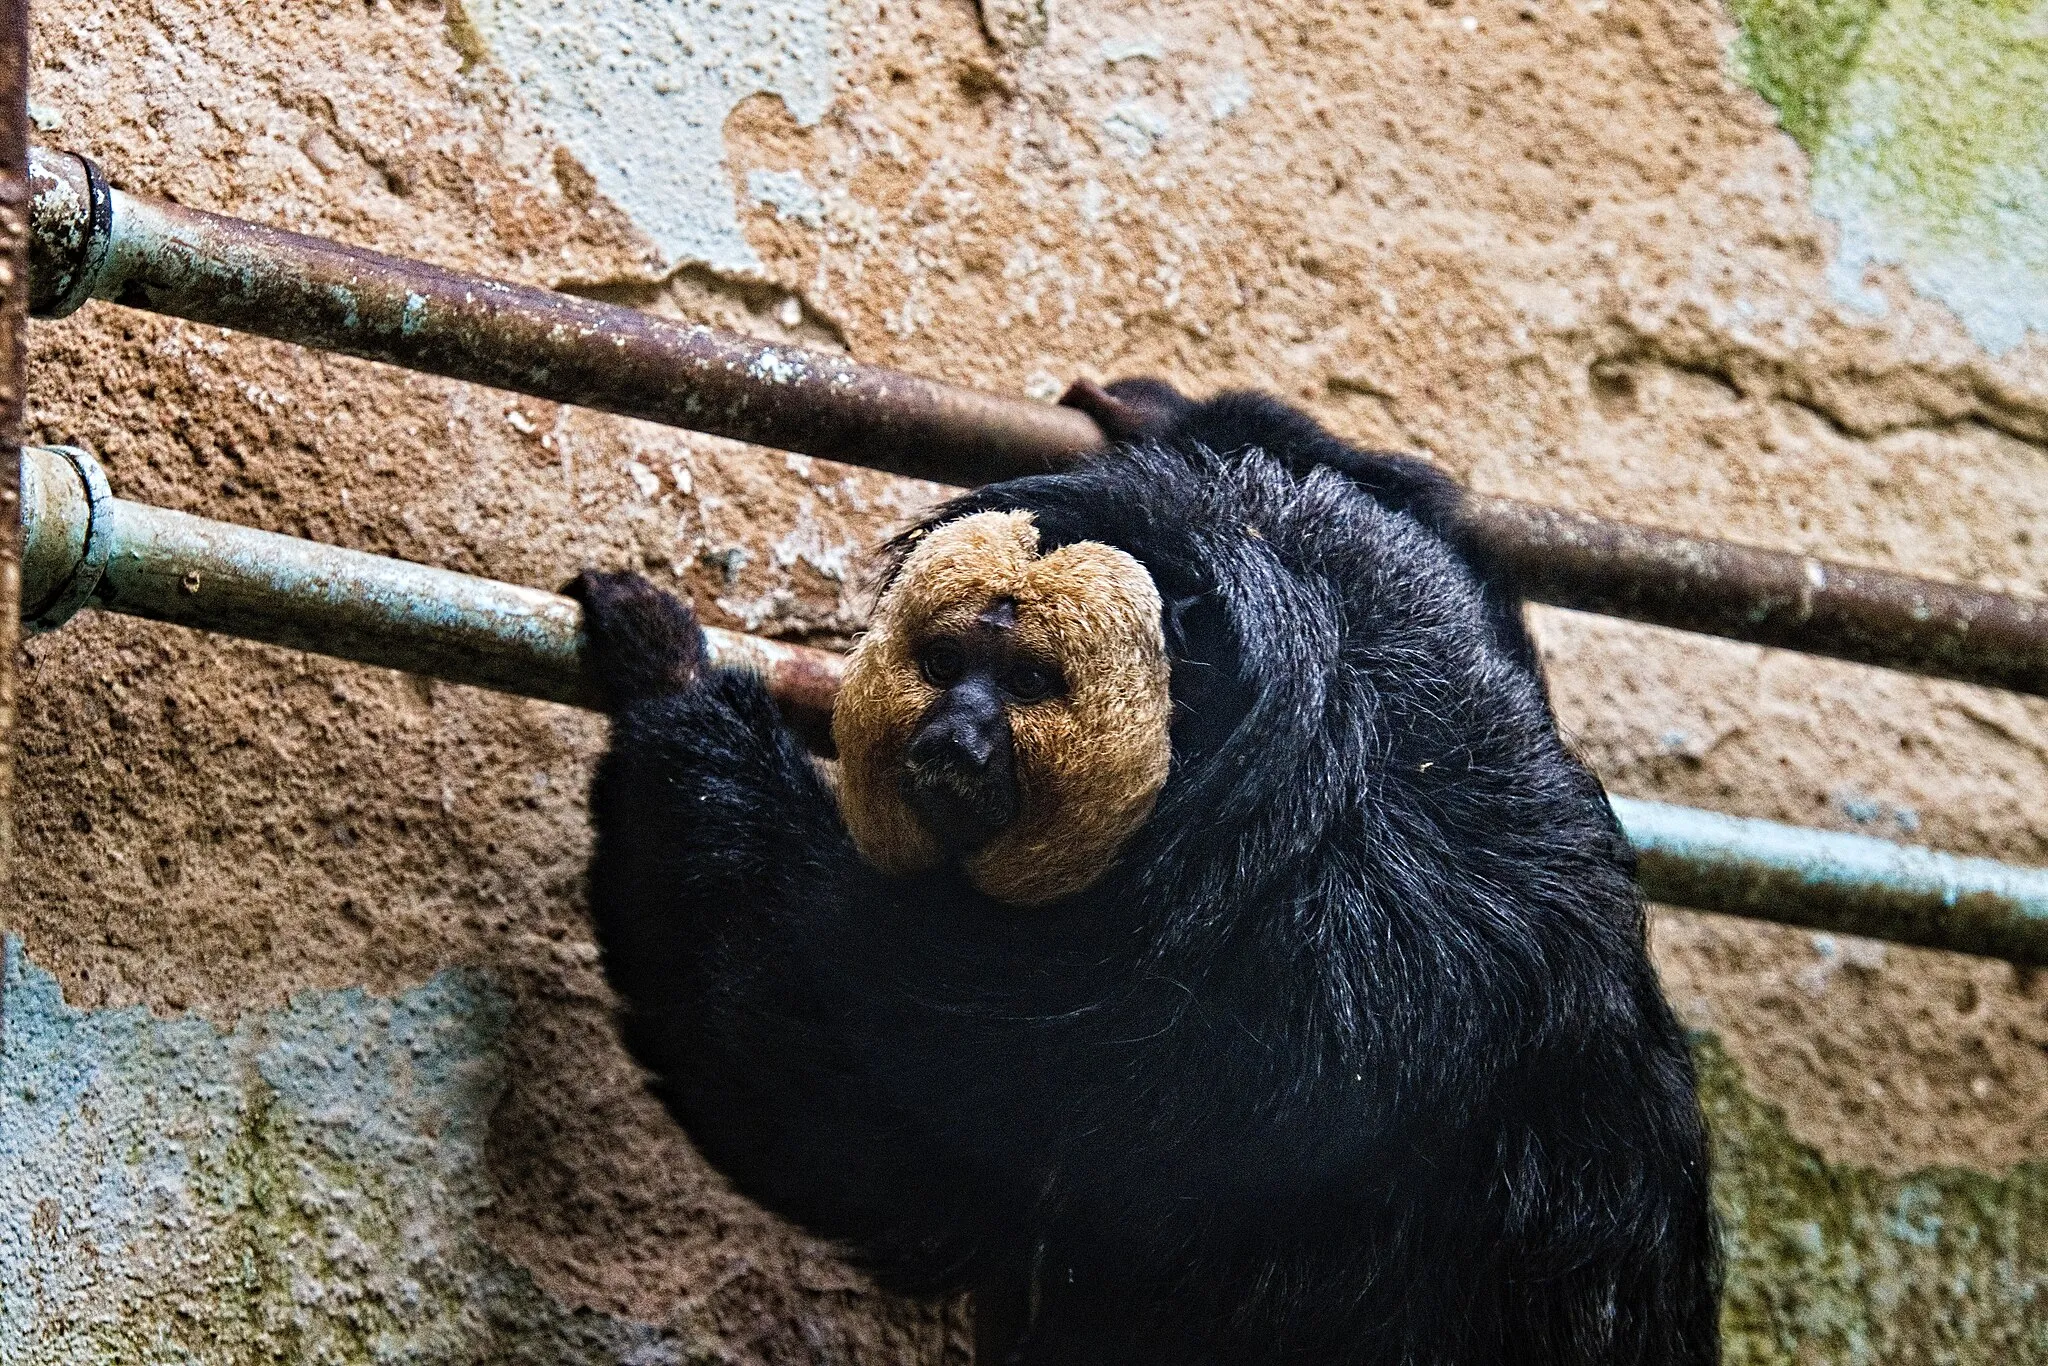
[(959, 777)]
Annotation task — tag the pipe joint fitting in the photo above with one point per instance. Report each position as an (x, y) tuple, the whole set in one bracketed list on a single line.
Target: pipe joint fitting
[(67, 533), (71, 231)]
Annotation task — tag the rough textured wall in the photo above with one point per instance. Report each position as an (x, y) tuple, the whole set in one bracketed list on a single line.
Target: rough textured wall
[(303, 1027), (13, 390)]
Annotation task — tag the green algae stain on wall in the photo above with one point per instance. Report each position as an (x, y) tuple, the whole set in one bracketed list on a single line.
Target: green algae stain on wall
[(1798, 54), (1836, 1265), (1927, 127), (303, 1189)]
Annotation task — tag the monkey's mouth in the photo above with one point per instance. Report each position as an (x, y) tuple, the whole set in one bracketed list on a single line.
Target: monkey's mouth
[(960, 808)]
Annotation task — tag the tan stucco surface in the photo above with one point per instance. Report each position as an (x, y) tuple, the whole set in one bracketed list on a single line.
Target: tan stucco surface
[(1557, 246)]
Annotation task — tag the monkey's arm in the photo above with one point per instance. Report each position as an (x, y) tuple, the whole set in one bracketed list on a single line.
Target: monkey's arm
[(728, 902)]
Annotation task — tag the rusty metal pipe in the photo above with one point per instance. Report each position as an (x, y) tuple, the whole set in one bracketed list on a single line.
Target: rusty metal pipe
[(92, 241), (14, 232), (1768, 597), (88, 548)]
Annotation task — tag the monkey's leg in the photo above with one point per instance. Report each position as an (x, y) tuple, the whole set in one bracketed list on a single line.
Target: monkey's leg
[(1152, 410), (643, 642)]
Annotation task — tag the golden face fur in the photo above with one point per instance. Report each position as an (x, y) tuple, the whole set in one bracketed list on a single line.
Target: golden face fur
[(1089, 761)]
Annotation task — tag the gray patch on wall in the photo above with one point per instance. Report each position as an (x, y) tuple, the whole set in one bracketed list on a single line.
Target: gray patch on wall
[(303, 1188), (639, 90)]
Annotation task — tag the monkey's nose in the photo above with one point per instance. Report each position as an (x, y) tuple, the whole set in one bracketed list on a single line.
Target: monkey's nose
[(957, 776), (961, 743), (963, 734)]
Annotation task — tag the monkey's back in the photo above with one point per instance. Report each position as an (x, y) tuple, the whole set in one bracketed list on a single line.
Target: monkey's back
[(1353, 1054), (1377, 1068)]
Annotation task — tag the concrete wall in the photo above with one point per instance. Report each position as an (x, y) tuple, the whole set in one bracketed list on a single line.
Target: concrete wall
[(306, 1056)]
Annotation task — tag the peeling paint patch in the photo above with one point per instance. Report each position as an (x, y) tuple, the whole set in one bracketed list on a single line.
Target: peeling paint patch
[(1014, 25), (1834, 1263), (772, 366), (1229, 95), (1136, 127), (1929, 141), (789, 194), (639, 90), (1148, 47), (303, 1188)]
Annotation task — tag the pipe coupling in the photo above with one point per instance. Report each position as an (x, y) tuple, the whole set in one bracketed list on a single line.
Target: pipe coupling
[(66, 533), (71, 231)]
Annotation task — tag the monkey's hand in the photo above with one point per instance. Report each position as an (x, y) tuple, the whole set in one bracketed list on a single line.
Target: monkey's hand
[(639, 641), (1131, 409)]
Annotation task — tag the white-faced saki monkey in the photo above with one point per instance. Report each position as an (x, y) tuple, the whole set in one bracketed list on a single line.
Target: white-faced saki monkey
[(1206, 948)]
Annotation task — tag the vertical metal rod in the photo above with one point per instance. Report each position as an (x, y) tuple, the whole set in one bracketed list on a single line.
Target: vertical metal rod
[(14, 285)]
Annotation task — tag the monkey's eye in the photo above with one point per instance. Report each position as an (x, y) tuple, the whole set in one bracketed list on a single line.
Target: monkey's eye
[(1030, 681), (942, 662)]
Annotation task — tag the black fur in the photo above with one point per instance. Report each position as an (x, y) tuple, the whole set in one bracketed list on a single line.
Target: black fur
[(650, 643), (1355, 1056)]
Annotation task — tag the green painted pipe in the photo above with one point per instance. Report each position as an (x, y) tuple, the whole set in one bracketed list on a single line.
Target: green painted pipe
[(1826, 880), (83, 547)]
